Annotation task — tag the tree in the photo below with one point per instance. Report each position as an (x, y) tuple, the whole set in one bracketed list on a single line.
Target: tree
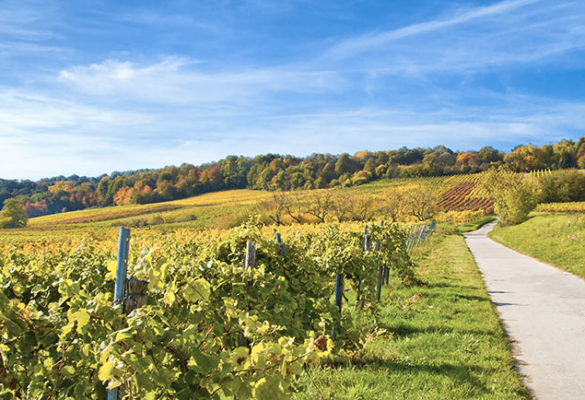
[(392, 204), (421, 201), (345, 165), (513, 195), (320, 205), (13, 214), (276, 206)]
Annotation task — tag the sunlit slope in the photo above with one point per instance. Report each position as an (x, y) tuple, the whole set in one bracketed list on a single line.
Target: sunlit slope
[(173, 211), (207, 210)]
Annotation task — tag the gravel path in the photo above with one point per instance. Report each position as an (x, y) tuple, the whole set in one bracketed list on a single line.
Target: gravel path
[(543, 311)]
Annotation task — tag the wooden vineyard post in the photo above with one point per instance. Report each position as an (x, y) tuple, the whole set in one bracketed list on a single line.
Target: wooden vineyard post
[(338, 298), (120, 287), (365, 250), (249, 263), (380, 274), (250, 255), (386, 273), (282, 245)]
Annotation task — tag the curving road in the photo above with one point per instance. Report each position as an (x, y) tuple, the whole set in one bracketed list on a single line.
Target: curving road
[(543, 311)]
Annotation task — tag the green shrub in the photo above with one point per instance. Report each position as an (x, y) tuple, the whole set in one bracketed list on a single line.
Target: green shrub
[(514, 196), (13, 214)]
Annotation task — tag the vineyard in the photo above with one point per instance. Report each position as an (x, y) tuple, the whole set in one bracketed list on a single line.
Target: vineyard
[(466, 194), (216, 322), (576, 206)]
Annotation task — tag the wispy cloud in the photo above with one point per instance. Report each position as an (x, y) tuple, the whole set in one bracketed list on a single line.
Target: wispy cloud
[(448, 80), (176, 80), (505, 33), (354, 46)]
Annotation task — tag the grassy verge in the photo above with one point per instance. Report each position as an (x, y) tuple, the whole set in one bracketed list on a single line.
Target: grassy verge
[(557, 239), (475, 225), (443, 340)]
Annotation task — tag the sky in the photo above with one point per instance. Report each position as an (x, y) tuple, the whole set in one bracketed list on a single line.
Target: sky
[(91, 87)]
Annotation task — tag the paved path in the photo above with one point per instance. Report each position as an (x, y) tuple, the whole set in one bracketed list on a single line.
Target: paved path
[(543, 311)]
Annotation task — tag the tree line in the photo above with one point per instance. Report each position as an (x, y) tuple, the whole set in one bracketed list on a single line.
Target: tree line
[(277, 172)]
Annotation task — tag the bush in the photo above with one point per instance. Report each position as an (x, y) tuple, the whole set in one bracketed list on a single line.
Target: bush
[(562, 186), (514, 197), (13, 214)]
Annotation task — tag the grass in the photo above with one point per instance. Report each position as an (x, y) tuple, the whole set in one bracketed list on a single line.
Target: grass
[(558, 239), (475, 225), (443, 341)]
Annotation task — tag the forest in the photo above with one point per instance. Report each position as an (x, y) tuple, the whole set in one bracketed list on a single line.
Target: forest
[(278, 172)]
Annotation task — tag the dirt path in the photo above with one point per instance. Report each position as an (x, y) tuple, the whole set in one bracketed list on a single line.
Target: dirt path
[(543, 311)]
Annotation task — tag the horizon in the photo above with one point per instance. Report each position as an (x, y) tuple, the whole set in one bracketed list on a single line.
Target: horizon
[(122, 87)]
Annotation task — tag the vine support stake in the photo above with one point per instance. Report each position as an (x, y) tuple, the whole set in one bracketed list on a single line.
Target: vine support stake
[(120, 287), (365, 250), (250, 255), (282, 245), (338, 298), (408, 240), (380, 274)]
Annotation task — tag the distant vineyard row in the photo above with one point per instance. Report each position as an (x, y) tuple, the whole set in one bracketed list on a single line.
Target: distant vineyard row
[(466, 195)]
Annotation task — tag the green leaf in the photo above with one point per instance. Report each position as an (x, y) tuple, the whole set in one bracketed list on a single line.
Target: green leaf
[(197, 290)]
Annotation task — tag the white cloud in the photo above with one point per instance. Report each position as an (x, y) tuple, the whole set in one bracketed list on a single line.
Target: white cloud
[(174, 80), (354, 46), (503, 34)]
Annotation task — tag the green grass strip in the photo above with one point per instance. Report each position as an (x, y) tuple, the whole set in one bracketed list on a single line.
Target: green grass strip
[(443, 340), (557, 239)]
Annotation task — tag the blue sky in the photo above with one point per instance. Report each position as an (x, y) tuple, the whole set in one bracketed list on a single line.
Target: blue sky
[(89, 87)]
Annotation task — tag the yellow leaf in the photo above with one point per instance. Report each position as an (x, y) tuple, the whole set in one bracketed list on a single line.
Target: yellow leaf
[(106, 371), (112, 267), (82, 318), (169, 297), (123, 334)]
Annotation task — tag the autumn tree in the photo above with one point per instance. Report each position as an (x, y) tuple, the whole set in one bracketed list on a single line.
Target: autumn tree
[(421, 201), (319, 205), (276, 207), (294, 208), (13, 214), (392, 204), (342, 207), (513, 195)]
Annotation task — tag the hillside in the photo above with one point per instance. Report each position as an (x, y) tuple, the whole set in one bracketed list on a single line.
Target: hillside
[(385, 198), (280, 172)]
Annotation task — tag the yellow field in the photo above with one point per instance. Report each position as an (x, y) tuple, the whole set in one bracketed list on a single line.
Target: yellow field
[(187, 217)]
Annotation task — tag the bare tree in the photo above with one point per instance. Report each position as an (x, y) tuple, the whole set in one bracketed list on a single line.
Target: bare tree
[(392, 204), (421, 201), (343, 207), (320, 205), (294, 208), (276, 206)]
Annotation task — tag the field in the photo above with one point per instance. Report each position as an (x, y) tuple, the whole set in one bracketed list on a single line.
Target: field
[(465, 194), (558, 239), (227, 209), (577, 206)]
